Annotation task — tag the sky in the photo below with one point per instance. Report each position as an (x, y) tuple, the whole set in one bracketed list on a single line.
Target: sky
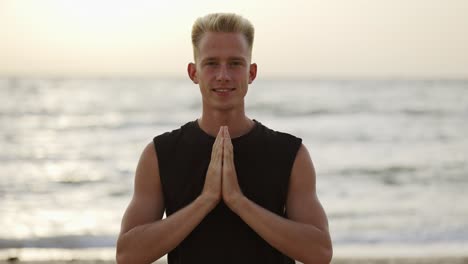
[(294, 38)]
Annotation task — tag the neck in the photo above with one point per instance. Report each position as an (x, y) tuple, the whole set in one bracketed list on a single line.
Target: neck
[(238, 123)]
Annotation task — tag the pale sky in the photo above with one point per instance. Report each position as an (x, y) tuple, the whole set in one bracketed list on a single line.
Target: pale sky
[(294, 38)]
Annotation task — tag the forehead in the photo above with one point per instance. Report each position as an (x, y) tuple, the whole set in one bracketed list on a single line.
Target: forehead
[(220, 44)]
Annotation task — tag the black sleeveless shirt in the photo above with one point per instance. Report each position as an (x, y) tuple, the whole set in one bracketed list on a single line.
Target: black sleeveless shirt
[(263, 160)]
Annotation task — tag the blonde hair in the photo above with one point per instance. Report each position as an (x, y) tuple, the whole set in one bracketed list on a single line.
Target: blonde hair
[(221, 22)]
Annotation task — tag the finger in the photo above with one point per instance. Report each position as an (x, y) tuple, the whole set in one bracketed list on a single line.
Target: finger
[(219, 136), (227, 136), (223, 143), (220, 149), (228, 153), (217, 143)]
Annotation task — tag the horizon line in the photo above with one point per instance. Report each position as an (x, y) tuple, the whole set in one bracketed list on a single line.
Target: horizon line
[(264, 78)]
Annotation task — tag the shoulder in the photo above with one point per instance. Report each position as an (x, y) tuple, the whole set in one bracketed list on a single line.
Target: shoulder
[(148, 159), (281, 139), (171, 134), (170, 137), (303, 156)]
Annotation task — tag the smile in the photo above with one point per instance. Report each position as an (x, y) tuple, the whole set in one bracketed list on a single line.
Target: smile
[(223, 90)]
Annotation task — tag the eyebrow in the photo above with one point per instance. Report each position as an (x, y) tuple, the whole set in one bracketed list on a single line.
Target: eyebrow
[(238, 58), (230, 58)]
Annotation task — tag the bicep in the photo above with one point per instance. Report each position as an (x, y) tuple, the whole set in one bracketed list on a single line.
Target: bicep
[(147, 204), (302, 203)]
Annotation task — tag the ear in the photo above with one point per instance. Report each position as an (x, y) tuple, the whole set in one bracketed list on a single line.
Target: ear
[(192, 72), (252, 72)]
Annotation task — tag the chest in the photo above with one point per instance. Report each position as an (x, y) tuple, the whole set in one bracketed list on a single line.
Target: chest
[(260, 177)]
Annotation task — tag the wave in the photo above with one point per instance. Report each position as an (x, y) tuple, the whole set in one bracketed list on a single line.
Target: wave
[(401, 237), (378, 171), (295, 110), (76, 241)]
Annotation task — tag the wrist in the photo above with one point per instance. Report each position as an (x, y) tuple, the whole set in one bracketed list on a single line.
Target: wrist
[(235, 203), (209, 200)]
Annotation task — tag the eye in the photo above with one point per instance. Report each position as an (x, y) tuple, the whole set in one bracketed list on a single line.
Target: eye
[(211, 63), (236, 63)]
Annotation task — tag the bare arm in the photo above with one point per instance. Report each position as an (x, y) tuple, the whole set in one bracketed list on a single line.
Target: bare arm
[(144, 237), (304, 236)]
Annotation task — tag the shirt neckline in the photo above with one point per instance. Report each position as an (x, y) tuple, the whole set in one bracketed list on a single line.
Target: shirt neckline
[(246, 135)]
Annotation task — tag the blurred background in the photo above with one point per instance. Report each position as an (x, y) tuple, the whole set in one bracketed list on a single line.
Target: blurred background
[(377, 90)]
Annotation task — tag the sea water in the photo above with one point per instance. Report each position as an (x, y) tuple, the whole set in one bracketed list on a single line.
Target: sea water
[(391, 156)]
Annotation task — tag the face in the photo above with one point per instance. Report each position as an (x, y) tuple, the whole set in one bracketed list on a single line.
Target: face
[(223, 70)]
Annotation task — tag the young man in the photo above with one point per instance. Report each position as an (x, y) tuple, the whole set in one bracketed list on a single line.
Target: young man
[(234, 190)]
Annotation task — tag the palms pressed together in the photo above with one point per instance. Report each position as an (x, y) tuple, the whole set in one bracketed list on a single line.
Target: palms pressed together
[(221, 177)]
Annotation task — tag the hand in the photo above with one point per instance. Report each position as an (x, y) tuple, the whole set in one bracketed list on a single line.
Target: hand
[(212, 188), (231, 191)]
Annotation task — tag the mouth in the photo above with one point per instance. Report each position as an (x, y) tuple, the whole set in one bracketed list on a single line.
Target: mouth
[(223, 91)]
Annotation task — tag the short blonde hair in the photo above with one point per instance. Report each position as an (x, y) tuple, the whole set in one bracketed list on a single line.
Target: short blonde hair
[(221, 22)]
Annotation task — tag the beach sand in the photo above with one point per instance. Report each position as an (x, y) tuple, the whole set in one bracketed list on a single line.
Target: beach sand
[(348, 255), (398, 260), (380, 260)]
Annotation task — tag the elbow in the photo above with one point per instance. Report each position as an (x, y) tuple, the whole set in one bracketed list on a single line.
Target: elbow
[(327, 254), (128, 252), (121, 255), (123, 259), (120, 258), (323, 256)]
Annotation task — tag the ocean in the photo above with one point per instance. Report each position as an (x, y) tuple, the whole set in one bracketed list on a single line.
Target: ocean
[(391, 155)]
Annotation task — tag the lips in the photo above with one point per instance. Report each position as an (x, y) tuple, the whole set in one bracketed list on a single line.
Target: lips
[(223, 90)]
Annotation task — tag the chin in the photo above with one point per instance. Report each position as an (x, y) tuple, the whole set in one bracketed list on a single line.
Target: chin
[(226, 106)]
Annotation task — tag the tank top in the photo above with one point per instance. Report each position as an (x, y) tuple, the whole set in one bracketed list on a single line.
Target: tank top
[(263, 159)]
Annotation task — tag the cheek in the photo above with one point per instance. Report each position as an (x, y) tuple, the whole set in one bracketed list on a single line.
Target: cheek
[(208, 74), (240, 74)]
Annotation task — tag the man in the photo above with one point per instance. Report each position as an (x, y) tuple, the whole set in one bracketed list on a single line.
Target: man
[(234, 190)]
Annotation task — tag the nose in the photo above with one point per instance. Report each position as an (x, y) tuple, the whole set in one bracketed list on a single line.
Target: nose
[(223, 74)]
